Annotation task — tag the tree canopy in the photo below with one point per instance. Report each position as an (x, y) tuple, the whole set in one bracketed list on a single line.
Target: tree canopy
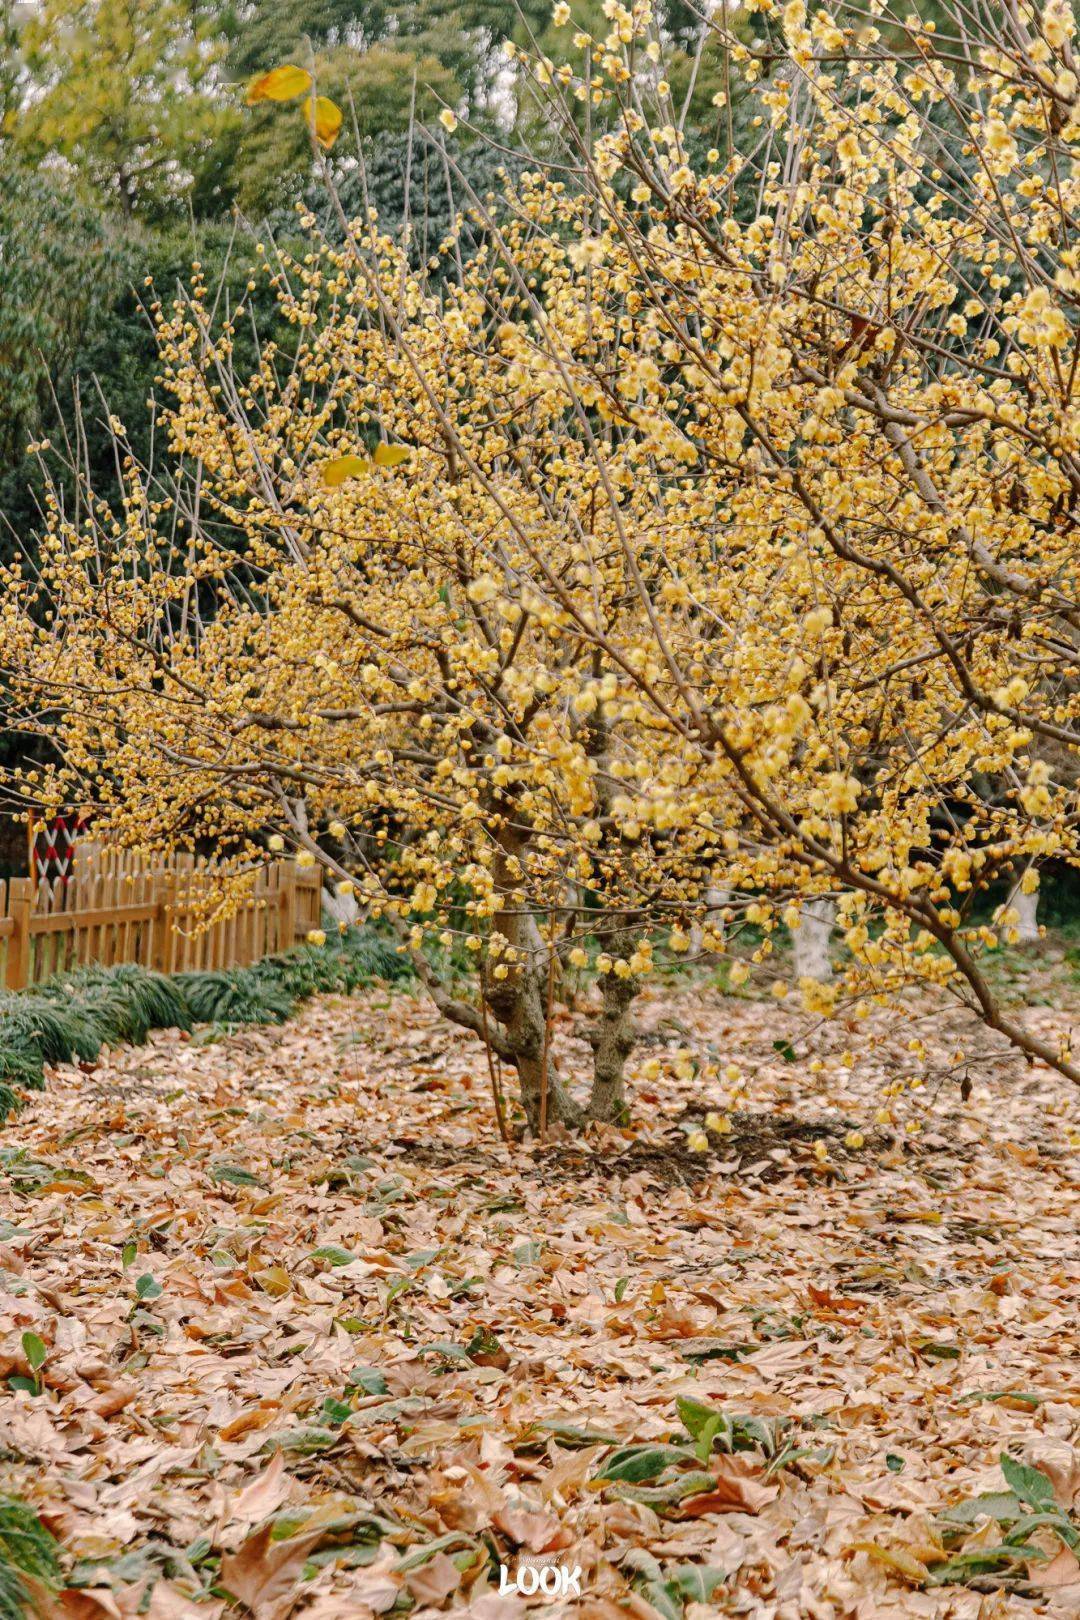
[(650, 545)]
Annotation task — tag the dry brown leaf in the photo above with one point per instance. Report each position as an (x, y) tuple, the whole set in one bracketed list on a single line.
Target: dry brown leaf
[(896, 1558), (739, 1489), (264, 1495), (265, 1574), (733, 1256), (113, 1400), (1063, 1570), (540, 1532), (434, 1581), (90, 1603), (166, 1603)]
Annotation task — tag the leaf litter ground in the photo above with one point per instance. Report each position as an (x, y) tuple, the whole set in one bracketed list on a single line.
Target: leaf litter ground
[(311, 1339)]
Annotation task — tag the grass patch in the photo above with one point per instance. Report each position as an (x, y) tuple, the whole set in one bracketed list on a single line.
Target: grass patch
[(72, 1017), (29, 1560)]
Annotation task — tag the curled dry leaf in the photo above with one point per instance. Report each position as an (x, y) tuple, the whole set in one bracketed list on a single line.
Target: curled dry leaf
[(739, 1489)]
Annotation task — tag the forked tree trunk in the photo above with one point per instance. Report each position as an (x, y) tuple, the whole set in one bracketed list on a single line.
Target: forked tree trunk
[(520, 1003), (612, 1040), (612, 1036), (810, 941)]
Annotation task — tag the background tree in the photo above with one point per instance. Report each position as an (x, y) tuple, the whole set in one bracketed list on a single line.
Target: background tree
[(127, 91)]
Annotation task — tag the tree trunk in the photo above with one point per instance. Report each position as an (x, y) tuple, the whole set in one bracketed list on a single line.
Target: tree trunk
[(810, 941), (520, 1003), (1026, 907), (612, 1040), (715, 900), (612, 1034)]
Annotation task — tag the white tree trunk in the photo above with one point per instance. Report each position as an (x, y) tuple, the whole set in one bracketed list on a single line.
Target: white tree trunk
[(343, 908), (810, 941), (715, 900), (1026, 907)]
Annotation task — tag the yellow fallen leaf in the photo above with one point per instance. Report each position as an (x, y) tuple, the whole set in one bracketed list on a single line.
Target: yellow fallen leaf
[(335, 472), (390, 455), (274, 1280), (904, 1563), (325, 116), (280, 84)]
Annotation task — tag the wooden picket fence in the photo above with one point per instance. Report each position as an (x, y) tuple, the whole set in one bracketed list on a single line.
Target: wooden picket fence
[(120, 907)]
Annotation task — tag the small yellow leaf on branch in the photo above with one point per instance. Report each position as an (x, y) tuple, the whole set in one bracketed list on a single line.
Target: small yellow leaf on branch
[(390, 455), (325, 118), (335, 472), (280, 84)]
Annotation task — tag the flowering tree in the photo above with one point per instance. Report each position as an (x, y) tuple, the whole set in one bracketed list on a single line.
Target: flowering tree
[(708, 531)]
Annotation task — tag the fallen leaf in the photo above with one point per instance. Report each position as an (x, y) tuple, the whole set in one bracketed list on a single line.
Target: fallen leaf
[(1062, 1570), (540, 1532), (113, 1400), (895, 1558), (265, 1494), (434, 1581), (265, 1574), (739, 1489)]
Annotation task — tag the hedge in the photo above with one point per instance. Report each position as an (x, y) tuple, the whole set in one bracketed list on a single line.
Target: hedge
[(74, 1015)]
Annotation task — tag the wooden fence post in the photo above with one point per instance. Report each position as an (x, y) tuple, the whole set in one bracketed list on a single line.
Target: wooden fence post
[(161, 942), (20, 900), (287, 898)]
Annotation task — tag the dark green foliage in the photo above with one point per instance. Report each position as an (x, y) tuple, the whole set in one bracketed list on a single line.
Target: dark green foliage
[(59, 270), (73, 1017), (26, 1548), (125, 1003), (344, 963), (235, 996), (37, 1031), (438, 187)]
